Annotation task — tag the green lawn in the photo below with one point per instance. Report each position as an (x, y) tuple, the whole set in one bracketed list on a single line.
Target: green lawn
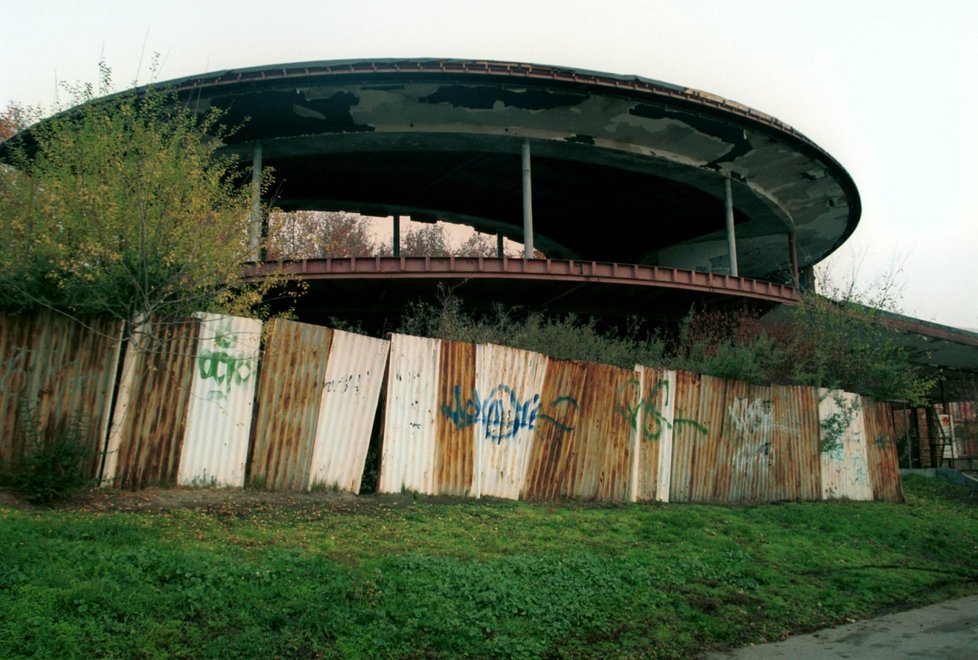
[(405, 576)]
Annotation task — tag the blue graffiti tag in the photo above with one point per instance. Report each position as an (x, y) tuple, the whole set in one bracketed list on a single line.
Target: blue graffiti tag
[(502, 414)]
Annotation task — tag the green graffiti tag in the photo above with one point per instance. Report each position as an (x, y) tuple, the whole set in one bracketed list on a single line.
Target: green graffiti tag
[(642, 413), (224, 368)]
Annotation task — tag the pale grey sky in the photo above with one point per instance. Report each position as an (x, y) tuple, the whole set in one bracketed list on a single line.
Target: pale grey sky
[(889, 88)]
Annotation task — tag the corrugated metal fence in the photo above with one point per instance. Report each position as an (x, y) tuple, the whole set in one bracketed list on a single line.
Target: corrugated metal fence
[(292, 407), (56, 376), (488, 420)]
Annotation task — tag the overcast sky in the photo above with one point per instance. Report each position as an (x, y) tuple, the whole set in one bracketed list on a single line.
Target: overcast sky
[(889, 88)]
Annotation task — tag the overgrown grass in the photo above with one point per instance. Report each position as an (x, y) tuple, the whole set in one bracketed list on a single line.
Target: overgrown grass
[(405, 576)]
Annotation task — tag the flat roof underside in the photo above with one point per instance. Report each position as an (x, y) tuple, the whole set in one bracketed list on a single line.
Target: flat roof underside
[(623, 169)]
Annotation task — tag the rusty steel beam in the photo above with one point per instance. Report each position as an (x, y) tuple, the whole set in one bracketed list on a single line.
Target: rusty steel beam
[(561, 270)]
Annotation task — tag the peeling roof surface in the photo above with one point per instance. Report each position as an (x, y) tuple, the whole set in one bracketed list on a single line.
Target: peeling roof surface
[(625, 169)]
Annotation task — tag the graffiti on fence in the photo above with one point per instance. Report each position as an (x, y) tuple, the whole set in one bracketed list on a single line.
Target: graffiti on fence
[(503, 414), (344, 384), (751, 415), (836, 424), (641, 410), (223, 367)]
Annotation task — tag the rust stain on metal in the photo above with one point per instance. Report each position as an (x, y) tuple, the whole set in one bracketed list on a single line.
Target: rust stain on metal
[(455, 442), (705, 481), (552, 465), (744, 451), (290, 391), (881, 451), (603, 436), (149, 423), (795, 463), (56, 373)]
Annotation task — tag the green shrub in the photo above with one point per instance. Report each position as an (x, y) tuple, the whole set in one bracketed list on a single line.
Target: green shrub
[(566, 337), (53, 468), (818, 343)]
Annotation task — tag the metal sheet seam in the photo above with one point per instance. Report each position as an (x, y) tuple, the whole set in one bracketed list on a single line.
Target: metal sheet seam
[(668, 407), (113, 442), (635, 439), (106, 430)]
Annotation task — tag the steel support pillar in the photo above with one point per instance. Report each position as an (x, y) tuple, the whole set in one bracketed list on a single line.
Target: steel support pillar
[(499, 245), (527, 203), (396, 238), (731, 234), (793, 253), (255, 228)]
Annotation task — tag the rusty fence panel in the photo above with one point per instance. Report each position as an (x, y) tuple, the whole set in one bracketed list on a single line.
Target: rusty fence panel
[(454, 470), (603, 436), (290, 391), (707, 440), (459, 418), (647, 402), (56, 376), (881, 451), (842, 437), (795, 453), (552, 465), (150, 414)]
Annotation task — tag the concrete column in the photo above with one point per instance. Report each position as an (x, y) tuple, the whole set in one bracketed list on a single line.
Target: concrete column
[(527, 203), (731, 234), (793, 252), (396, 239), (254, 230)]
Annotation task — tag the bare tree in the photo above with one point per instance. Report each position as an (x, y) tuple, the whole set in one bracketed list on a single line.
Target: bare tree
[(316, 234), (428, 241)]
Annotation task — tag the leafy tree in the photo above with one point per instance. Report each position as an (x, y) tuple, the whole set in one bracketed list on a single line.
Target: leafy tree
[(122, 206)]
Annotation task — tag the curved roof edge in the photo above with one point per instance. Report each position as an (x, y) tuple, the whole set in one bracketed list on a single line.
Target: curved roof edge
[(607, 82)]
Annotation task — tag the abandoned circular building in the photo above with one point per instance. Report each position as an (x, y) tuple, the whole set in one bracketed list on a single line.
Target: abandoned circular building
[(644, 196)]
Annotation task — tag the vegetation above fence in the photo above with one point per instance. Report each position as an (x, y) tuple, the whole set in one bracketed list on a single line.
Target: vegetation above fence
[(819, 343)]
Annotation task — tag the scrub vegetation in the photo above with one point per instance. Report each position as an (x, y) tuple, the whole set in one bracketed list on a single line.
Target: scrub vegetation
[(220, 574), (822, 342)]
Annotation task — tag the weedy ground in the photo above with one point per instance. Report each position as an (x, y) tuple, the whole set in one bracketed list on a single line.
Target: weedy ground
[(210, 573)]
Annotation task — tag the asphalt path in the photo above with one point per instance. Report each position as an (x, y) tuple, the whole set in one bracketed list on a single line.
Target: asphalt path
[(947, 630)]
